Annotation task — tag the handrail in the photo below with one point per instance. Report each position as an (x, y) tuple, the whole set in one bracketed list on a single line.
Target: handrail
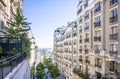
[(9, 58)]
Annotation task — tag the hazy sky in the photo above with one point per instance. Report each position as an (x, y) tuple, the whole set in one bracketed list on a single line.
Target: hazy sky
[(46, 16)]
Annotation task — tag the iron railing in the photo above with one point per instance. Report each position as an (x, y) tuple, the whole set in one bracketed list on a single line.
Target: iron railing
[(8, 64)]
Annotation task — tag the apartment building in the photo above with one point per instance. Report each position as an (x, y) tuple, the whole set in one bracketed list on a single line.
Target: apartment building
[(100, 18), (97, 47), (65, 48), (6, 8)]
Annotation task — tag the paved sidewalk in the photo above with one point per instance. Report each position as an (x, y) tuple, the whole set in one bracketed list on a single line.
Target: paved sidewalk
[(23, 72)]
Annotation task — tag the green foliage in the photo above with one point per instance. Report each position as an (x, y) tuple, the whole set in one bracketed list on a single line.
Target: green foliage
[(1, 50), (26, 45), (54, 72), (32, 71), (103, 78), (47, 61), (40, 71), (81, 74), (13, 52), (17, 27)]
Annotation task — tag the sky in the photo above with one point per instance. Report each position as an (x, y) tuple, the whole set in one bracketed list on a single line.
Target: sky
[(46, 16)]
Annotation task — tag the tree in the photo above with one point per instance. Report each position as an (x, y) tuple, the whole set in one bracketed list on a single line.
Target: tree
[(54, 72), (32, 71), (40, 71), (17, 27)]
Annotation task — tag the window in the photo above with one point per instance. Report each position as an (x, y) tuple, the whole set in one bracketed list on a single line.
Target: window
[(86, 3), (113, 47), (97, 33), (113, 30), (113, 33), (113, 66), (80, 9), (97, 7), (80, 29), (98, 62), (97, 19), (113, 2), (114, 12), (97, 48), (86, 16), (86, 26), (80, 19), (1, 25)]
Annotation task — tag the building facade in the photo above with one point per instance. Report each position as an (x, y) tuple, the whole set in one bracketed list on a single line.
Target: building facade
[(65, 49), (22, 70), (97, 46)]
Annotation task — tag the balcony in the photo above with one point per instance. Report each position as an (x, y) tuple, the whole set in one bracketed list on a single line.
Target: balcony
[(87, 61), (97, 51), (97, 24), (86, 40), (114, 36), (80, 60), (113, 70), (113, 53), (80, 41), (113, 19), (112, 2), (97, 38), (86, 51), (86, 28), (98, 65)]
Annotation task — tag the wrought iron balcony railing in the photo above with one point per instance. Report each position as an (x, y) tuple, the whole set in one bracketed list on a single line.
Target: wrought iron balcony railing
[(98, 65), (97, 24), (86, 40), (80, 60), (113, 53), (97, 38), (114, 36), (113, 70), (8, 64), (113, 18)]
